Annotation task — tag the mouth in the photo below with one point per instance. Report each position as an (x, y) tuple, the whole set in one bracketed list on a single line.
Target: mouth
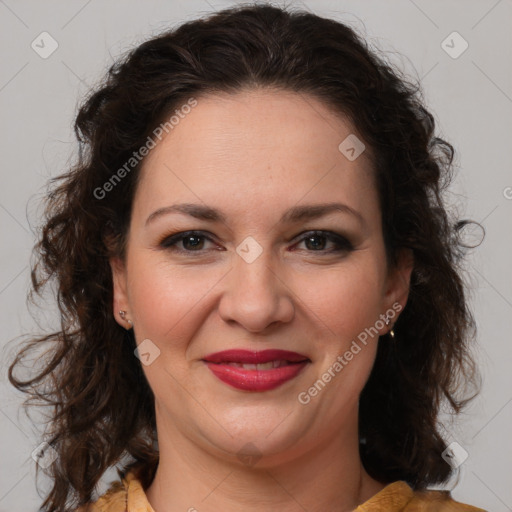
[(256, 371)]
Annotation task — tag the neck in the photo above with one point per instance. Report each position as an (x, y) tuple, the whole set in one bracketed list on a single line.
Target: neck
[(328, 476)]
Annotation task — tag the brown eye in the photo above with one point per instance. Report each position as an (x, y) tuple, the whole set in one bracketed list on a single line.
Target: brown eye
[(316, 241), (191, 241)]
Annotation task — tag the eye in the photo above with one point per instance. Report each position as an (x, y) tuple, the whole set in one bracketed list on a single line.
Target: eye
[(192, 241), (317, 241)]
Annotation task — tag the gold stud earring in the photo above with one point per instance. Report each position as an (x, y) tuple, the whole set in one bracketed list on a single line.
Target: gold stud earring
[(391, 332)]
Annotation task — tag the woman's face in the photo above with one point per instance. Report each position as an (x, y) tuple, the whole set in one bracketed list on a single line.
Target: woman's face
[(254, 277)]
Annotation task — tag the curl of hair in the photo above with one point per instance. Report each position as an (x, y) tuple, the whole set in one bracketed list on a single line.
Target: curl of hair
[(103, 406)]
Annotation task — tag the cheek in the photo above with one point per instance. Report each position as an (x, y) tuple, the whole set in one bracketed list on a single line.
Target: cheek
[(167, 299), (169, 303), (346, 309), (346, 299)]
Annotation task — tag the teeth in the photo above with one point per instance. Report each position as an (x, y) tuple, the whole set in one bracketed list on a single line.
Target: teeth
[(260, 366)]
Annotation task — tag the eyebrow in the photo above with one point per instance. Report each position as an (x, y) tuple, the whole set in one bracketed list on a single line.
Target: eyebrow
[(294, 214)]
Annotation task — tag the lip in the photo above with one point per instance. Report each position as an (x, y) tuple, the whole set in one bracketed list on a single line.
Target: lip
[(254, 379), (254, 357)]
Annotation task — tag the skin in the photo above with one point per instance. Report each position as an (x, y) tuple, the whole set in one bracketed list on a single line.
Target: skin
[(253, 155)]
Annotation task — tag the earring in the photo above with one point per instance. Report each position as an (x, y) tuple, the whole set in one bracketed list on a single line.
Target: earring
[(122, 314), (391, 331)]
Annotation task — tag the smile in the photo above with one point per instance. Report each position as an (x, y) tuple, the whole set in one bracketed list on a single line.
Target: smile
[(256, 371)]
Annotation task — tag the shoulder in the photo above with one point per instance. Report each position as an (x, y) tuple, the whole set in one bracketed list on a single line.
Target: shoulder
[(400, 497), (437, 501), (113, 500), (122, 496)]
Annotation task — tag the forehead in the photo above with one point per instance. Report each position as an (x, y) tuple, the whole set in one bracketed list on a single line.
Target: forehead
[(279, 121), (259, 145)]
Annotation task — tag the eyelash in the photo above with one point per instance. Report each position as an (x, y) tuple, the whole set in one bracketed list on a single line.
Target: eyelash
[(342, 244)]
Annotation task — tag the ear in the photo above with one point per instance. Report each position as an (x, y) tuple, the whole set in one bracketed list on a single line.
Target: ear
[(398, 281), (120, 295)]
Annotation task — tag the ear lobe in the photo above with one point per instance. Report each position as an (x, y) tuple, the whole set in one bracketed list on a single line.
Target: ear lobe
[(119, 292), (400, 279)]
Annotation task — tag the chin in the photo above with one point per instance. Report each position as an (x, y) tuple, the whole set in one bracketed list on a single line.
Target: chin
[(259, 437)]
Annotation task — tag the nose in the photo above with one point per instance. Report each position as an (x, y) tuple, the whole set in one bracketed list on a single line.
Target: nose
[(256, 295)]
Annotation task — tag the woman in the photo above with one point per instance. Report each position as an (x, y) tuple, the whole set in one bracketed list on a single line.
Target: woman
[(261, 308)]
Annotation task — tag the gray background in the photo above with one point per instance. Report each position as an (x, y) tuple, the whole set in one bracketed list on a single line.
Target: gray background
[(470, 96)]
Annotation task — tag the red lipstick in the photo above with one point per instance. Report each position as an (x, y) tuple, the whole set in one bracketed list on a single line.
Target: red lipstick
[(256, 371)]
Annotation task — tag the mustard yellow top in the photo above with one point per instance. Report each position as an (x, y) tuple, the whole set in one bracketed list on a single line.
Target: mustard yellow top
[(129, 496)]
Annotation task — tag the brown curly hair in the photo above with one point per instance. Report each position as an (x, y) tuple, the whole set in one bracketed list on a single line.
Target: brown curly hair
[(103, 407)]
